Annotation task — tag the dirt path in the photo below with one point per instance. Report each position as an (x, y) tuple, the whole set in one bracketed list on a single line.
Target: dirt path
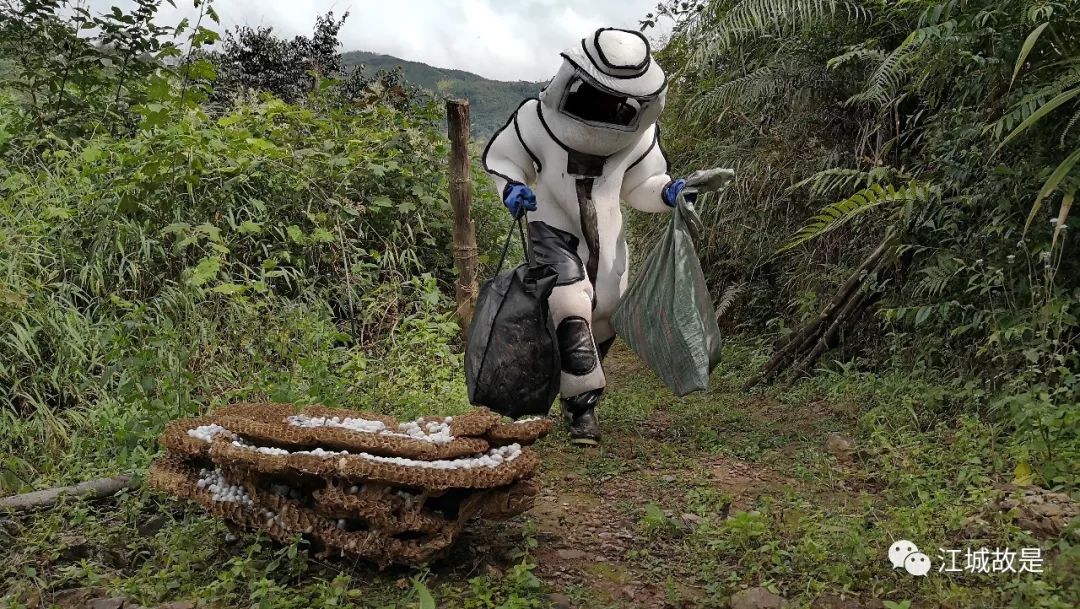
[(613, 523), (688, 503), (593, 534)]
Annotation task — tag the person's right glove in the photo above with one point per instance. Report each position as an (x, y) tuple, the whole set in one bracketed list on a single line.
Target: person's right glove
[(670, 194), (517, 197)]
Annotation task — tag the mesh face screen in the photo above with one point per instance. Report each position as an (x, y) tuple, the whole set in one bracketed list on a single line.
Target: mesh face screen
[(591, 105)]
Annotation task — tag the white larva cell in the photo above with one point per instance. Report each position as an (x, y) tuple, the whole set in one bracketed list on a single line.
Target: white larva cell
[(432, 431), (221, 489), (265, 450), (505, 453), (206, 433), (493, 458), (322, 454)]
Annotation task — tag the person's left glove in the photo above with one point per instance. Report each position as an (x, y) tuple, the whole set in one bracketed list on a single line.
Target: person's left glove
[(702, 180), (518, 198), (670, 194)]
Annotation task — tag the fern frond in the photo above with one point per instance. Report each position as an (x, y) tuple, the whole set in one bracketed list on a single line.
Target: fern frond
[(727, 299), (893, 71), (1068, 127), (832, 216), (937, 277), (1041, 112), (761, 83), (1018, 114), (837, 179), (783, 79), (1031, 103), (853, 54), (751, 18)]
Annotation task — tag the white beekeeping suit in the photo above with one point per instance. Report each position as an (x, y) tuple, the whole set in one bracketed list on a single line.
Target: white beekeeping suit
[(589, 141)]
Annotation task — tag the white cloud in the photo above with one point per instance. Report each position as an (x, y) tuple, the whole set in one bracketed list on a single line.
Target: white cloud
[(507, 40)]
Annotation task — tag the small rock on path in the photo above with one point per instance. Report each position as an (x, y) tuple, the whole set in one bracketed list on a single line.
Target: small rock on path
[(840, 446), (757, 598)]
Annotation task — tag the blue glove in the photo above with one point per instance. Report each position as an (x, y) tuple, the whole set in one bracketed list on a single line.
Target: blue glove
[(670, 194), (516, 196)]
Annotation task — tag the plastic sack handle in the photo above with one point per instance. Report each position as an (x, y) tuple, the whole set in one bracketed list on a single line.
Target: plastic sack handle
[(688, 213), (518, 220)]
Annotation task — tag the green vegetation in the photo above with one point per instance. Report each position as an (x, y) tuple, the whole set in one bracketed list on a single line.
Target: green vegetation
[(943, 128), (185, 224), (689, 500), (161, 254), (491, 101), (729, 490)]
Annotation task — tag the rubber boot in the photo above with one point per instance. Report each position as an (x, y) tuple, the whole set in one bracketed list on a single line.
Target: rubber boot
[(580, 413)]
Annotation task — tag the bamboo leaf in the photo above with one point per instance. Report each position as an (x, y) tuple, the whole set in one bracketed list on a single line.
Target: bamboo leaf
[(866, 199), (1023, 474), (1025, 50), (1046, 108), (427, 601), (922, 315), (1051, 183)]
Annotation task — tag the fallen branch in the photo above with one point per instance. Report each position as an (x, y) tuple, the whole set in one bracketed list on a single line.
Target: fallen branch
[(92, 489), (813, 337), (849, 311)]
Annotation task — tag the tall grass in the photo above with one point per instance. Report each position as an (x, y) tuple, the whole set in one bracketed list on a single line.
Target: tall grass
[(160, 254)]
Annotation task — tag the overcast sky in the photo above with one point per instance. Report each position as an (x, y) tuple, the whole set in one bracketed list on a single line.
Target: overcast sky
[(501, 39)]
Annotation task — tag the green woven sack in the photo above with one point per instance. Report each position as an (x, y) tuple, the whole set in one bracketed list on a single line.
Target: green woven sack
[(666, 314)]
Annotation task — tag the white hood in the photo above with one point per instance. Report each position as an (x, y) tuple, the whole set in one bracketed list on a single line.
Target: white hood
[(607, 93)]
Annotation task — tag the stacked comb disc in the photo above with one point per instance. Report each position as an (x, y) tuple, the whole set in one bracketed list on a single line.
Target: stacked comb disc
[(352, 482)]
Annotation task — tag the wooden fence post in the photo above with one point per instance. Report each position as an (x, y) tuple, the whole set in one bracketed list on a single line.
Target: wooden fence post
[(465, 253)]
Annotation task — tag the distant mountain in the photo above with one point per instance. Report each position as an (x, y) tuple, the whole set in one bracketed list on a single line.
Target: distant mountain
[(490, 101)]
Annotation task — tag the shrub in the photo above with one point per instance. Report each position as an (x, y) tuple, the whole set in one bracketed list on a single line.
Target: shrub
[(848, 120), (168, 253)]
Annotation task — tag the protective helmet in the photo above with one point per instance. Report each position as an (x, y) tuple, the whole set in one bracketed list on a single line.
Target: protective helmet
[(606, 93)]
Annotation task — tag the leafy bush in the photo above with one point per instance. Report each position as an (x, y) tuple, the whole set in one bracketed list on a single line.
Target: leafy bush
[(162, 253), (868, 117)]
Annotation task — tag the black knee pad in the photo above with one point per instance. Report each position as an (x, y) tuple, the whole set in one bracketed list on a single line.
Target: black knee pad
[(576, 346)]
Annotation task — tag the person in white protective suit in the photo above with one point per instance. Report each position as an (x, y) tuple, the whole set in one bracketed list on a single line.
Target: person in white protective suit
[(568, 158)]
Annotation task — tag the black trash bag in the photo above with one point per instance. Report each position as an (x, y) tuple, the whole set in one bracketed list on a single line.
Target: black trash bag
[(512, 354)]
